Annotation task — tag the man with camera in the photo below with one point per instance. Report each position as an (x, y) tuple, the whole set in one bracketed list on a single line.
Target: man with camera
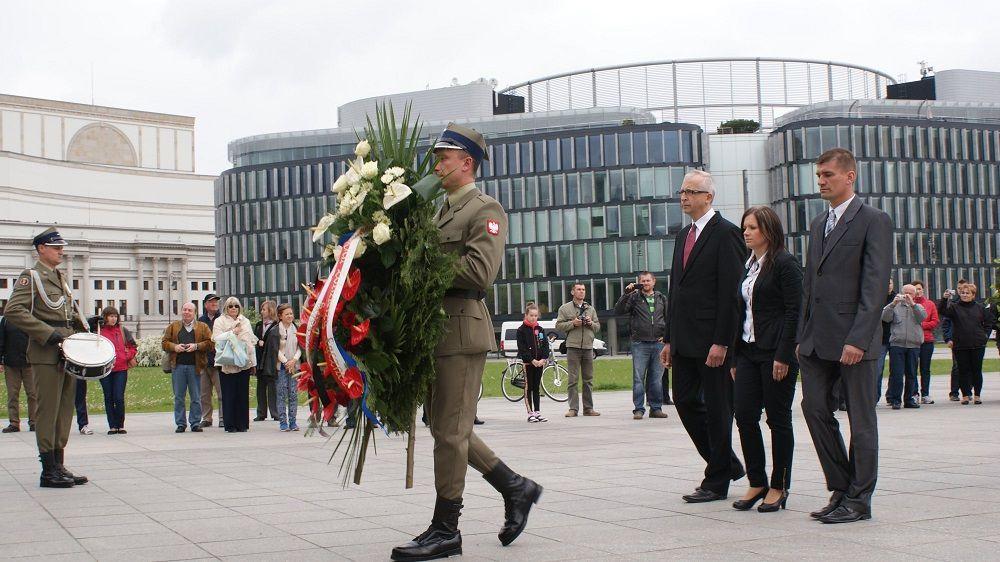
[(905, 338), (580, 323), (647, 311)]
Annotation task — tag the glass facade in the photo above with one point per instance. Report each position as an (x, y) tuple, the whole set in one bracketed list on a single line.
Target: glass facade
[(594, 205), (938, 181)]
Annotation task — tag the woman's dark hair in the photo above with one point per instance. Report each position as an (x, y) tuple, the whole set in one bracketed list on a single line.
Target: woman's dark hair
[(281, 308), (109, 311), (770, 226)]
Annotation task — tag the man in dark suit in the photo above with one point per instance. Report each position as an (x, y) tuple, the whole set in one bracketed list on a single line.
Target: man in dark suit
[(839, 337), (702, 324)]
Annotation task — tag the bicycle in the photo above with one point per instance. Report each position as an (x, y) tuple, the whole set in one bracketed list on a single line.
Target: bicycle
[(555, 379)]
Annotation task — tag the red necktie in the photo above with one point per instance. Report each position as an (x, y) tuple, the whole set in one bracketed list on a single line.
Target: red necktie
[(689, 243)]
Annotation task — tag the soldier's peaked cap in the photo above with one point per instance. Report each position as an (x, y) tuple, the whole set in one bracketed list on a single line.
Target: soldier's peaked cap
[(463, 138), (50, 237)]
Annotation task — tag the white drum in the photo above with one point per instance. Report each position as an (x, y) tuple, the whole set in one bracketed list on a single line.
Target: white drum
[(88, 356)]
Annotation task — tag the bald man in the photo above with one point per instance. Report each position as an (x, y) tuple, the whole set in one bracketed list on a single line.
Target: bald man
[(188, 342)]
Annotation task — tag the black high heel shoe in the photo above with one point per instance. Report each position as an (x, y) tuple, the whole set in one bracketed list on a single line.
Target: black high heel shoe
[(746, 505), (765, 507)]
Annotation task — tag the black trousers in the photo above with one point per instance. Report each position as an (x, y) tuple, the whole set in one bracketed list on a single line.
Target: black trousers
[(970, 370), (852, 472), (533, 378), (267, 397), (235, 400), (709, 420), (755, 389)]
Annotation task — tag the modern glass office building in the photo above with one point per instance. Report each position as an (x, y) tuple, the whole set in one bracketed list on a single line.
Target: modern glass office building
[(933, 166), (590, 196)]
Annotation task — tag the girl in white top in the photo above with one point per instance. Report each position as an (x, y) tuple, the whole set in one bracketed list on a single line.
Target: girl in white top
[(288, 360)]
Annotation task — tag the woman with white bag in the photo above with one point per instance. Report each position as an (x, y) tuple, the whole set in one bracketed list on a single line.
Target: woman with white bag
[(235, 356)]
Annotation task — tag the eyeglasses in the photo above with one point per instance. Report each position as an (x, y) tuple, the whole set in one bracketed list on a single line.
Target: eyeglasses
[(689, 192), (233, 306)]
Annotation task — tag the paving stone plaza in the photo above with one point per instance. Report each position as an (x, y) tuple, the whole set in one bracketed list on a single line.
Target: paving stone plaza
[(613, 491)]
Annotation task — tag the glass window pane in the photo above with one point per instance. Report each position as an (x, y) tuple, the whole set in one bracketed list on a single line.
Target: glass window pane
[(580, 144), (610, 150), (661, 182), (555, 226), (583, 223), (610, 259), (655, 146), (628, 221), (616, 185), (645, 182), (579, 259), (671, 146), (642, 220), (659, 219), (600, 187), (566, 149), (611, 220), (569, 224), (594, 258), (514, 233), (544, 191), (631, 184), (558, 190), (539, 156), (529, 227), (526, 167), (597, 222), (624, 149), (552, 152), (596, 159), (542, 226), (639, 148), (572, 189), (624, 258)]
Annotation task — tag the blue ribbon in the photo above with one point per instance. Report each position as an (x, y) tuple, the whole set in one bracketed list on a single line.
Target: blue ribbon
[(350, 362)]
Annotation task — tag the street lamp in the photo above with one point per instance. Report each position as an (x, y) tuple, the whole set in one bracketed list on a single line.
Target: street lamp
[(171, 280)]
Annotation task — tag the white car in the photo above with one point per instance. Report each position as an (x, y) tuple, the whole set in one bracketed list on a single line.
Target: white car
[(508, 339)]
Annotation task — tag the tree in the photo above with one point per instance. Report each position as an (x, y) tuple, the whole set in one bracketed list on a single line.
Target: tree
[(739, 126)]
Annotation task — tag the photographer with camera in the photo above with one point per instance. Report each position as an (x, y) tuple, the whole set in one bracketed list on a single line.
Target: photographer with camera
[(580, 323), (647, 311), (905, 338)]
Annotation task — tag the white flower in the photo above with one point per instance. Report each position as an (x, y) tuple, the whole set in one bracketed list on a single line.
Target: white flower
[(392, 174), (354, 190), (387, 178), (380, 216), (322, 226), (361, 248), (332, 250), (369, 170), (352, 176), (341, 184), (395, 193), (362, 149), (381, 233)]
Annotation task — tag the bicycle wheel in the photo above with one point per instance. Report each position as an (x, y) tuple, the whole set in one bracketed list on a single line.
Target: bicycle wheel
[(512, 382), (555, 380)]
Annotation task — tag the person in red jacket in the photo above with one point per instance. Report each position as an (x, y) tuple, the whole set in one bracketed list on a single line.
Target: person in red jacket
[(927, 348), (114, 384)]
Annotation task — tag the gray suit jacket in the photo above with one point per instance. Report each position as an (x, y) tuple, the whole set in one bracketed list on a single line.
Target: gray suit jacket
[(844, 286)]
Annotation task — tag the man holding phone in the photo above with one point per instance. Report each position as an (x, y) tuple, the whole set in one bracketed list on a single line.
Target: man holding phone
[(188, 342)]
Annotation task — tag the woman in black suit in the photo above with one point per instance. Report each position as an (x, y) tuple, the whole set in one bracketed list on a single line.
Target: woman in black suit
[(766, 369)]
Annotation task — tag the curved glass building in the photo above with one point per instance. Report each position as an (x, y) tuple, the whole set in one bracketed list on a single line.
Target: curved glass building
[(933, 166)]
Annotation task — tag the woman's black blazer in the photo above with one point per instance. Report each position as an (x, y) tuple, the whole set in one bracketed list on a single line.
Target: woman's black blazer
[(777, 298)]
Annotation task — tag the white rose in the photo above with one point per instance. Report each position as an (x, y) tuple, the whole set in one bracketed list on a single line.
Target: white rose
[(346, 205), (361, 248), (395, 193), (396, 171), (362, 149), (369, 170), (381, 233), (322, 226), (387, 178), (352, 177), (341, 184)]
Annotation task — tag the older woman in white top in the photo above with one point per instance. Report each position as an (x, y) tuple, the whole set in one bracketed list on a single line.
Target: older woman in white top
[(235, 379)]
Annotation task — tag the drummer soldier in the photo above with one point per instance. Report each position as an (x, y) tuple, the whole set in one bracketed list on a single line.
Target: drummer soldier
[(41, 305), (473, 225)]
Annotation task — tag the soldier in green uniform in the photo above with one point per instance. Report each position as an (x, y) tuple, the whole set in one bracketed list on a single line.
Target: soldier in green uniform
[(41, 305), (474, 226)]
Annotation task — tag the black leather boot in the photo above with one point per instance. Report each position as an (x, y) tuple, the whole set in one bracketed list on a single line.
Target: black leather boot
[(77, 480), (441, 540), (51, 477), (519, 494)]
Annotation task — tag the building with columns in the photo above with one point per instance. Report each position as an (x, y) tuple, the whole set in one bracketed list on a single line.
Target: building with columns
[(120, 186)]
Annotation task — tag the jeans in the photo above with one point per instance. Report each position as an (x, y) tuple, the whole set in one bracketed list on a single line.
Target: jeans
[(647, 376), (926, 352), (114, 398), (902, 372), (82, 418), (288, 399), (881, 369), (185, 381)]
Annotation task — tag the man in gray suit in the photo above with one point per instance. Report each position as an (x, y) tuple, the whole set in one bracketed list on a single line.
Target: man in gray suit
[(840, 335)]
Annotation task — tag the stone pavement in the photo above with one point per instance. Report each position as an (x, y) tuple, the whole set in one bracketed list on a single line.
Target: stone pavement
[(612, 492)]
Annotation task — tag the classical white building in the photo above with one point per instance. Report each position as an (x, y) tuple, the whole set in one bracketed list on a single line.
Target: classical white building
[(120, 187)]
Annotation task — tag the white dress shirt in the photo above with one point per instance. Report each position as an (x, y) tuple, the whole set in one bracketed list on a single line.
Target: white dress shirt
[(839, 210), (753, 265), (702, 222)]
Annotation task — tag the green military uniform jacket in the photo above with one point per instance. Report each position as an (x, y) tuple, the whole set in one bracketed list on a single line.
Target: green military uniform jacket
[(27, 310), (474, 226)]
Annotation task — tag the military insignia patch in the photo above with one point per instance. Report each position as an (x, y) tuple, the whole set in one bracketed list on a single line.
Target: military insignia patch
[(23, 281), (493, 227)]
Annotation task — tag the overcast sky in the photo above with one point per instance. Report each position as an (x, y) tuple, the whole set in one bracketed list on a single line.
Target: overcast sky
[(244, 67)]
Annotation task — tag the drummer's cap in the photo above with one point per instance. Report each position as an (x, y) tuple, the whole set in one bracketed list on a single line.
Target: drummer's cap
[(50, 237), (457, 137), (210, 297)]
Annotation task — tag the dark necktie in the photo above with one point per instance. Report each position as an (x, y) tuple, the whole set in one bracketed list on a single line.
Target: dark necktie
[(692, 237)]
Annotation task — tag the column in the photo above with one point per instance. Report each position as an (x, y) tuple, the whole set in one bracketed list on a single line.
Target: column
[(85, 302), (171, 294), (185, 295), (154, 288), (140, 279)]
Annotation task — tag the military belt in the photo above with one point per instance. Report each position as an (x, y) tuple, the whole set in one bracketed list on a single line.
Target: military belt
[(466, 294)]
